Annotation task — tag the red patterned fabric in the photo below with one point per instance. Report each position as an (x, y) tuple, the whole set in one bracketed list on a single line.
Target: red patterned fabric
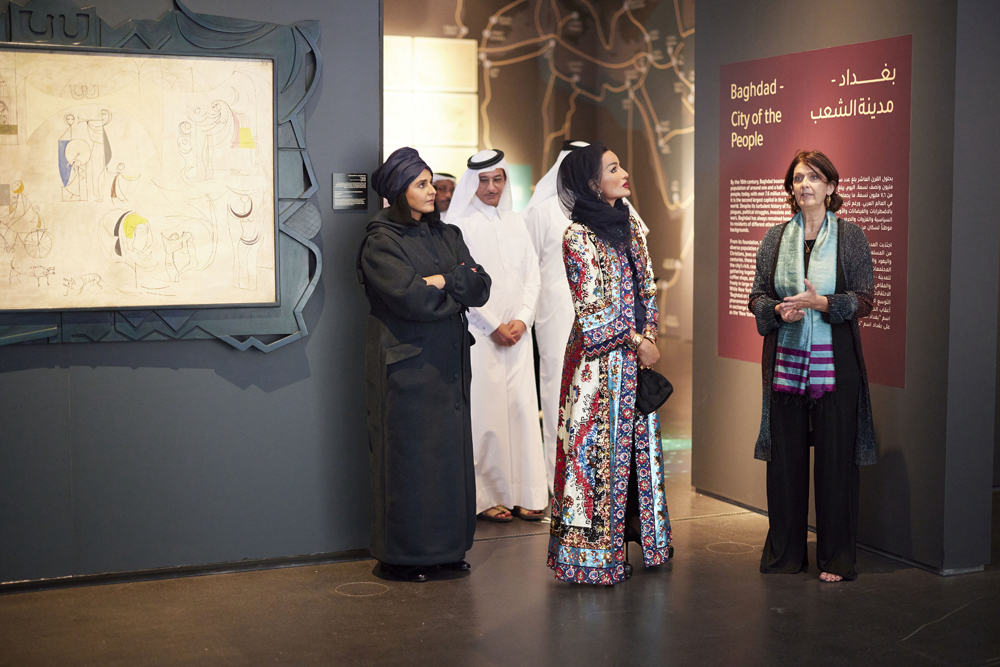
[(598, 422)]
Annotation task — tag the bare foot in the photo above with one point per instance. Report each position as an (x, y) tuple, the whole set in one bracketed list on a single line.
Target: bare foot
[(826, 576)]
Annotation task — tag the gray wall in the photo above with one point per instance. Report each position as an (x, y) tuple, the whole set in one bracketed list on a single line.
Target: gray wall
[(982, 20), (975, 247), (118, 457), (928, 499)]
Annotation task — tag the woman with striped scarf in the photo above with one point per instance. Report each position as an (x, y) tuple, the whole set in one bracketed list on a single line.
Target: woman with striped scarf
[(814, 281)]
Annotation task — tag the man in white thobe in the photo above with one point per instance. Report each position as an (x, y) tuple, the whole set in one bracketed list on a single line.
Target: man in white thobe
[(507, 440), (554, 314)]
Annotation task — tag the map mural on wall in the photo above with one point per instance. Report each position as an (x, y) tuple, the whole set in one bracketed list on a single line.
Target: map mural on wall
[(135, 181), (620, 72)]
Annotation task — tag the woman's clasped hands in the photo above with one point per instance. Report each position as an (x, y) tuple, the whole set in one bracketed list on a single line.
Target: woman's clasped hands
[(792, 307)]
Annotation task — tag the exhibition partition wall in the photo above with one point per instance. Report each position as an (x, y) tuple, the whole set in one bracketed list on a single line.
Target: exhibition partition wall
[(134, 456), (900, 94)]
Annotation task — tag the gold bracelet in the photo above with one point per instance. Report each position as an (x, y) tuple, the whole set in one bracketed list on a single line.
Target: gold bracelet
[(635, 340)]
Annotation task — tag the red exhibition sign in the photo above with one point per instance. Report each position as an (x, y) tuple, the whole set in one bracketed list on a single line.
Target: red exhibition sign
[(853, 103)]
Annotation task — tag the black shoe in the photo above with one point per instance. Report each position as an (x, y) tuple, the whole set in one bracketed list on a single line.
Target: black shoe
[(627, 566), (409, 573), (457, 566), (631, 536), (670, 552)]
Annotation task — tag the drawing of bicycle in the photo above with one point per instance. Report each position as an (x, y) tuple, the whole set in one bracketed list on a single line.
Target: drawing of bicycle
[(34, 241)]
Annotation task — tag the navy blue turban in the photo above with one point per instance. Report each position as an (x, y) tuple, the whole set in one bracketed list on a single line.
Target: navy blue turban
[(397, 172)]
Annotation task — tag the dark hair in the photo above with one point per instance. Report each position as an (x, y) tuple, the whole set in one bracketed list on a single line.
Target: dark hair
[(822, 165)]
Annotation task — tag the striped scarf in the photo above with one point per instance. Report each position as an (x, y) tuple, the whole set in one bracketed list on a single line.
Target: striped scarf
[(804, 364)]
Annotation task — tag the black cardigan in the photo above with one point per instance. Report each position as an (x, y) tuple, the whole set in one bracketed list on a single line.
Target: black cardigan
[(854, 302)]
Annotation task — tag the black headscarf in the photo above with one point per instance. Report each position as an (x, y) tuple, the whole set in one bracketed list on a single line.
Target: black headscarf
[(577, 185), (391, 180), (397, 172), (579, 179)]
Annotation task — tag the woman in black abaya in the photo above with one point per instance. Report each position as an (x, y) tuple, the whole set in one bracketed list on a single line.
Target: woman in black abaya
[(420, 280)]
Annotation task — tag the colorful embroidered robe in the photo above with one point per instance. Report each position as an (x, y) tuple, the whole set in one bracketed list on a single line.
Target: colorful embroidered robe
[(598, 422)]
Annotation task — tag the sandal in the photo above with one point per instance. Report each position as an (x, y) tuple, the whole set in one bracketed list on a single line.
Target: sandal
[(528, 515), (496, 514)]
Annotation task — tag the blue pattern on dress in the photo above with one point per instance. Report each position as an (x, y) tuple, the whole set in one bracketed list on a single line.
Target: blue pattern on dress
[(595, 553)]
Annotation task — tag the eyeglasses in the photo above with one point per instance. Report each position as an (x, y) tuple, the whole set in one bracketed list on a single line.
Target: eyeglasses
[(813, 178)]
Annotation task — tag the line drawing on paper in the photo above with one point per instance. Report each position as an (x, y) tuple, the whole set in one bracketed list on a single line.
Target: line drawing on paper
[(210, 133), (8, 113), (35, 271), (21, 225), (246, 231), (155, 174), (77, 284)]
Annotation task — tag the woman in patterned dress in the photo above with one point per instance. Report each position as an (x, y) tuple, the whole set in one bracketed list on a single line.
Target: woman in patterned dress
[(609, 463)]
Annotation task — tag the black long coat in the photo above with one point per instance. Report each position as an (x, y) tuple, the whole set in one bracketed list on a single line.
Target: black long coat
[(418, 371)]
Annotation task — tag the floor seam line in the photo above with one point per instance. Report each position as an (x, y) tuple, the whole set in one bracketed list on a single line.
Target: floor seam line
[(686, 518), (710, 516), (508, 537)]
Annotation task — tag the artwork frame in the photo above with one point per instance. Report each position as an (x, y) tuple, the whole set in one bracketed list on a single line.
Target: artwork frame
[(84, 188), (178, 34)]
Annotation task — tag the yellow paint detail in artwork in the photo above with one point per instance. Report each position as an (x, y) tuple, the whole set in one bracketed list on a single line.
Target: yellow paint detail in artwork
[(246, 138), (131, 221)]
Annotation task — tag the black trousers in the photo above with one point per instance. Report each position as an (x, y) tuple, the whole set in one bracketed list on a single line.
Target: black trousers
[(833, 420)]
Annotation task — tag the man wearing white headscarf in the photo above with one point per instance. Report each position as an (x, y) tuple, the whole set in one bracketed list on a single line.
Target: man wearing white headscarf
[(554, 313), (507, 441), (444, 185)]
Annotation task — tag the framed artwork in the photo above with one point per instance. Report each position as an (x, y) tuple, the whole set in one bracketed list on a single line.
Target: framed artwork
[(155, 182), (131, 180)]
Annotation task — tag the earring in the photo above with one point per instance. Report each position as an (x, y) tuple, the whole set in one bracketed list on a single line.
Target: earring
[(600, 194)]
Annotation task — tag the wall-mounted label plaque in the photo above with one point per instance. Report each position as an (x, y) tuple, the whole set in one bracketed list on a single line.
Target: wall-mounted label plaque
[(350, 192)]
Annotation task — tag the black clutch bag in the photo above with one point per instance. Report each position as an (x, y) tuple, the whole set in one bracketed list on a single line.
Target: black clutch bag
[(653, 391)]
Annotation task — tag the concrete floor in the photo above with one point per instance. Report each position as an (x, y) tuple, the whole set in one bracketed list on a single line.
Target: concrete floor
[(708, 606)]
